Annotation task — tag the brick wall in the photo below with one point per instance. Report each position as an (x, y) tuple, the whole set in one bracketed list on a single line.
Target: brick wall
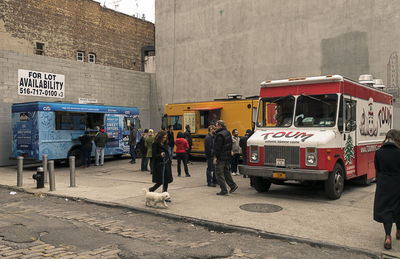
[(68, 26), (110, 86)]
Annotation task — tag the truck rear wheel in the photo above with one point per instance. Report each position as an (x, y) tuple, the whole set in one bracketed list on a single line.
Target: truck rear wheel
[(77, 153), (335, 183), (261, 184)]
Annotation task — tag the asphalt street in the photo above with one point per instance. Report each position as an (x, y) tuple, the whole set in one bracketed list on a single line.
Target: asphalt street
[(41, 226), (300, 213)]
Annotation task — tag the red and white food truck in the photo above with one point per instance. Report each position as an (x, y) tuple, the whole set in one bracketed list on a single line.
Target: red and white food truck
[(324, 128)]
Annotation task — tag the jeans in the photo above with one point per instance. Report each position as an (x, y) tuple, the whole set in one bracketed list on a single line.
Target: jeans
[(144, 163), (132, 152), (170, 151), (235, 162), (86, 156), (210, 172), (244, 155), (223, 174), (99, 153), (182, 157)]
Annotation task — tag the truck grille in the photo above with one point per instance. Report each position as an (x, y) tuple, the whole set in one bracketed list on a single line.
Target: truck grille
[(290, 154)]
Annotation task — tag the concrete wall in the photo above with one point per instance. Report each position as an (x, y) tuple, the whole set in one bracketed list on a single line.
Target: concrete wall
[(110, 86), (206, 49)]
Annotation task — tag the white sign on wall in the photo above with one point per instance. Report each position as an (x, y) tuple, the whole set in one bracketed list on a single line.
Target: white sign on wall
[(42, 84)]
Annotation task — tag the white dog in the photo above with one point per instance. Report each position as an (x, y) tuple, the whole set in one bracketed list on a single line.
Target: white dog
[(156, 197)]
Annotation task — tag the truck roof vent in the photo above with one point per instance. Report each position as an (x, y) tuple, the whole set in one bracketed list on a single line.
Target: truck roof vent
[(366, 79), (235, 96), (378, 83)]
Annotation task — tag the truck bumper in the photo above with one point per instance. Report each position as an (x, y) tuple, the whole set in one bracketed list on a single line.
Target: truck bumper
[(279, 173)]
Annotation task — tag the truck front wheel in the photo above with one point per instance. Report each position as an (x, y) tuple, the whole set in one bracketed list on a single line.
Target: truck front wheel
[(335, 183), (260, 184)]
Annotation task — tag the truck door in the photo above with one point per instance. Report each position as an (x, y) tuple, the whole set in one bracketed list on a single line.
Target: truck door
[(349, 137)]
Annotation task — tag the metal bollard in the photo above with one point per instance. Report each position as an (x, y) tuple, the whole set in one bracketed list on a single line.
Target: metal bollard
[(20, 168), (44, 164), (72, 171), (52, 176)]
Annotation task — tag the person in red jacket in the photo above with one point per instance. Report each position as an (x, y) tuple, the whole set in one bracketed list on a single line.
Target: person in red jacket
[(182, 146)]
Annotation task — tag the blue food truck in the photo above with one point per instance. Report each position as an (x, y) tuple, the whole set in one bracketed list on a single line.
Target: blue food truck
[(53, 128)]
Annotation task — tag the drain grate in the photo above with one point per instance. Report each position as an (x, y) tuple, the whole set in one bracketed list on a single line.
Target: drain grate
[(261, 207)]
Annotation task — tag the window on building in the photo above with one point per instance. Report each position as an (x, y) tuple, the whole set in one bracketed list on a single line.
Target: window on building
[(80, 56), (39, 48), (92, 58)]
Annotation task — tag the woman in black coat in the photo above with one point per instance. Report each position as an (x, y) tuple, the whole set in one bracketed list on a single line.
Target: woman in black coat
[(161, 159), (387, 195)]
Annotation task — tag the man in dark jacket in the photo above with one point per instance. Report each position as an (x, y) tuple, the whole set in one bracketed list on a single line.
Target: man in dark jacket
[(188, 137), (100, 141), (86, 148), (222, 158), (171, 141), (132, 143), (208, 150)]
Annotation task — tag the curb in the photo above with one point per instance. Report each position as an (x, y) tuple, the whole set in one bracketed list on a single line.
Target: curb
[(216, 226)]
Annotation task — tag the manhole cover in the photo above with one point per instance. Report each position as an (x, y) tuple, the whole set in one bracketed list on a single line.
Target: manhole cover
[(261, 207)]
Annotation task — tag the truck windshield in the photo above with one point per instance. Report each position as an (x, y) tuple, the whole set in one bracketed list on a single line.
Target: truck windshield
[(276, 111), (316, 110)]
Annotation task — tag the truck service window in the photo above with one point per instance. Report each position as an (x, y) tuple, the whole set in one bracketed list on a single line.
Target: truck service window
[(176, 122), (316, 110), (78, 120)]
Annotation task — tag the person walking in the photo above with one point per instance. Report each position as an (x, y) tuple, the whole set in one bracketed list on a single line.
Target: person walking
[(187, 135), (132, 143), (100, 141), (222, 157), (236, 150), (162, 173), (208, 150), (387, 195), (171, 141), (243, 145), (86, 148), (143, 151), (181, 153), (148, 144)]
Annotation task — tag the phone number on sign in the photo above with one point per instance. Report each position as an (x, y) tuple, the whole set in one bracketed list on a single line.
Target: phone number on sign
[(41, 92)]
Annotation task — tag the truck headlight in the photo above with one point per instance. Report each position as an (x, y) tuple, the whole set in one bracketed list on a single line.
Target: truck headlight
[(254, 154), (310, 159), (311, 156)]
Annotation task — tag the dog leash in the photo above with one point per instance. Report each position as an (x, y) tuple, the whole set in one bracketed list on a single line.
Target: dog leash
[(163, 170)]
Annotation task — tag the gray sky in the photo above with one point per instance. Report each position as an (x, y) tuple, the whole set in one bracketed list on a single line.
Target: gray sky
[(132, 7)]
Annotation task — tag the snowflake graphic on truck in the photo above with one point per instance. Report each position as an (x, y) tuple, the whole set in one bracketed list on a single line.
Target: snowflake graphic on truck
[(349, 150)]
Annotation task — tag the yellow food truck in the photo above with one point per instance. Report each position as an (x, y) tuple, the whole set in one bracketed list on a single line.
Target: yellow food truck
[(237, 112)]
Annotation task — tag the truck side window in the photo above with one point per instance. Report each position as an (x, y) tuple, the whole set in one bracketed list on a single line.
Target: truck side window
[(176, 122), (350, 115)]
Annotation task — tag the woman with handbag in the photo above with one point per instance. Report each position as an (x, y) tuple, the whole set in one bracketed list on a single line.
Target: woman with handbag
[(387, 195)]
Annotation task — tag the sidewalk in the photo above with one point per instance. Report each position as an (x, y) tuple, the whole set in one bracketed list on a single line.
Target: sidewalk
[(306, 213)]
